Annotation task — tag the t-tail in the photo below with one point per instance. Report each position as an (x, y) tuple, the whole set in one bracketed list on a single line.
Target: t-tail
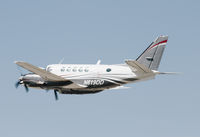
[(151, 57)]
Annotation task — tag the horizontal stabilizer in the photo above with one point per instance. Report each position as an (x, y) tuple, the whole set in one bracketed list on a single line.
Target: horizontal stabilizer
[(137, 67)]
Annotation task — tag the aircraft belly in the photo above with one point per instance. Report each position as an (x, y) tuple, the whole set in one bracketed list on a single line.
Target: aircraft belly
[(79, 91), (83, 86)]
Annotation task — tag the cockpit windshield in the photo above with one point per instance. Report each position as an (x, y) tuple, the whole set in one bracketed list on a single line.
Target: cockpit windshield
[(49, 69)]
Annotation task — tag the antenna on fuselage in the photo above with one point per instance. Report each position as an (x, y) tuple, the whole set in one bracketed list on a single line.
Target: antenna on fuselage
[(98, 62), (61, 61)]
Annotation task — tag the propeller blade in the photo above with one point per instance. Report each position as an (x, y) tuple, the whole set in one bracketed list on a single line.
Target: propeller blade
[(26, 87), (56, 94), (17, 84)]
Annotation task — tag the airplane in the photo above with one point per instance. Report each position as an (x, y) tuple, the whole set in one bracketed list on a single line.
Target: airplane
[(94, 78)]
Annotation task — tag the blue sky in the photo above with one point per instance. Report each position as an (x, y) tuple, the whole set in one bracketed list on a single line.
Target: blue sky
[(43, 32)]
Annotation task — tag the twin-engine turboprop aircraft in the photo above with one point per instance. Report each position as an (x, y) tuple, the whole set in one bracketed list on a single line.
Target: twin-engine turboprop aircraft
[(88, 79)]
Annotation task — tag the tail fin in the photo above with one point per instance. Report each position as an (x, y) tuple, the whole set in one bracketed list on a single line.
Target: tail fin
[(152, 55)]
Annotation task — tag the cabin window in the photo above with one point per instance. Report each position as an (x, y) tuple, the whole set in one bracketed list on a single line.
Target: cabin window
[(74, 69), (108, 70), (86, 70), (62, 69), (80, 69), (68, 69)]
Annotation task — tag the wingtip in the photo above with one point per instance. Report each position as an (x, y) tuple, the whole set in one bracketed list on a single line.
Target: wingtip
[(15, 62)]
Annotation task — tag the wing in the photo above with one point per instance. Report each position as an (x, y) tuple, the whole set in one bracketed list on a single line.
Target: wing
[(43, 73)]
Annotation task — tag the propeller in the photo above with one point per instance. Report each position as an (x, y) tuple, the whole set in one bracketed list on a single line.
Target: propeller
[(19, 83), (26, 88), (56, 94)]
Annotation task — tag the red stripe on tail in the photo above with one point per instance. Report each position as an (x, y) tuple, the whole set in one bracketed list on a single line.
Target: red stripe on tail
[(165, 41)]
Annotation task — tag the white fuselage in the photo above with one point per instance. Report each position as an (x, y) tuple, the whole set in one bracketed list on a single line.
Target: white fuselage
[(72, 71), (89, 78)]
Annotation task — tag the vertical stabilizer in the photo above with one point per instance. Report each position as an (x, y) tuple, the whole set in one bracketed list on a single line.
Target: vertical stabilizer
[(152, 55)]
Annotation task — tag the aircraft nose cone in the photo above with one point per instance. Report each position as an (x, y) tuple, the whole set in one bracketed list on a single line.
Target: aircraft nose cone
[(21, 78)]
